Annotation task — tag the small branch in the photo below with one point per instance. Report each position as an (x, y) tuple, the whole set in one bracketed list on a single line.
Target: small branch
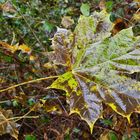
[(28, 82), (18, 118)]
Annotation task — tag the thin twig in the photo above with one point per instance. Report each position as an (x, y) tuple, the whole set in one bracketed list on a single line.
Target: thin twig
[(28, 82), (18, 118)]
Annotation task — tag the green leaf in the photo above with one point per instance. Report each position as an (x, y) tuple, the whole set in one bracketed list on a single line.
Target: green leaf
[(96, 67), (112, 136), (85, 9), (8, 59), (136, 30), (108, 135), (90, 30), (67, 134), (31, 101), (107, 122), (113, 17), (76, 130), (15, 103), (134, 135), (125, 137), (48, 26), (109, 5), (120, 12), (30, 137)]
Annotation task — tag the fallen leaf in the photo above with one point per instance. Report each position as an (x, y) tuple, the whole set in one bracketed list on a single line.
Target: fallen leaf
[(85, 9), (7, 7), (13, 48), (99, 68), (7, 125), (67, 21)]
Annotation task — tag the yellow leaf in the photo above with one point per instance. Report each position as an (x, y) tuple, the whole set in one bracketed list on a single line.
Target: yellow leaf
[(32, 58), (7, 46), (24, 48), (48, 65), (2, 80), (114, 107), (136, 17)]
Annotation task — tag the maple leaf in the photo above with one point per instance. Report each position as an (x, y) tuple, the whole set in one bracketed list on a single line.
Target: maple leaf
[(97, 68)]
